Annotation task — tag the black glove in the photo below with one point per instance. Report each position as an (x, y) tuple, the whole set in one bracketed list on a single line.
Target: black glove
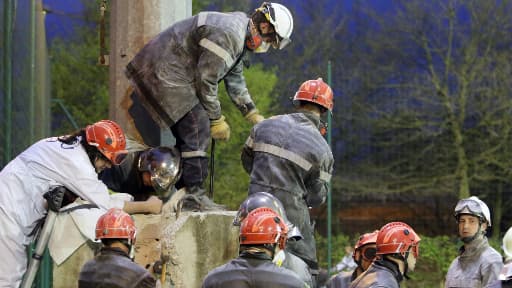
[(54, 198)]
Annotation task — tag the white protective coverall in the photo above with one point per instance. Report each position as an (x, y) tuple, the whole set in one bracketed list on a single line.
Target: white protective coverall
[(46, 164)]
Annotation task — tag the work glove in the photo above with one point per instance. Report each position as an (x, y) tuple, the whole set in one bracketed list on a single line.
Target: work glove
[(254, 116), (219, 129)]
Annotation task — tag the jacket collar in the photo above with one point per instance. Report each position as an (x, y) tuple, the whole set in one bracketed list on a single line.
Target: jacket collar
[(393, 267), (473, 248)]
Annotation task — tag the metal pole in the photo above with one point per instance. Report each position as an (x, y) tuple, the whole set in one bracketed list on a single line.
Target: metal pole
[(37, 256), (329, 192), (32, 72), (8, 78)]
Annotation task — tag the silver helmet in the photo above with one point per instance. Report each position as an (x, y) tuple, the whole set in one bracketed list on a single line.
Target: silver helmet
[(164, 165), (265, 199)]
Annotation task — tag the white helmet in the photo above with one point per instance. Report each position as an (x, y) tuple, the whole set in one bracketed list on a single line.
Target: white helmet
[(507, 244), (281, 18), (473, 206)]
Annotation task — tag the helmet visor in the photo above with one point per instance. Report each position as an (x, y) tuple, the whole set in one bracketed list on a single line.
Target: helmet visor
[(162, 177), (468, 206)]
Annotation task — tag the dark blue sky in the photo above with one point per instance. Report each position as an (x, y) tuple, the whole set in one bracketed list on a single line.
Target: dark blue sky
[(62, 16)]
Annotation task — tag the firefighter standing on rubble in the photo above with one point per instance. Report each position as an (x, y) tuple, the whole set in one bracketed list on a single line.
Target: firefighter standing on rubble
[(72, 161), (263, 234), (113, 267), (288, 157), (176, 77)]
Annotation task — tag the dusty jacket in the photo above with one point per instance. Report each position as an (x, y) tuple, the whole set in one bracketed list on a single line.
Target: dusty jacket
[(250, 270), (126, 178), (183, 65), (476, 266), (382, 274), (288, 157), (112, 268)]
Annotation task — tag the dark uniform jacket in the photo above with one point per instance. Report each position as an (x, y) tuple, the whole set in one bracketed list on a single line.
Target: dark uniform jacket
[(251, 270), (182, 66), (382, 273), (113, 268), (288, 157), (126, 178)]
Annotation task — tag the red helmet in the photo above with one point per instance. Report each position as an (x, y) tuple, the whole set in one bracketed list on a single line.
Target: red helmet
[(263, 226), (365, 239), (109, 138), (116, 224), (315, 91), (397, 238)]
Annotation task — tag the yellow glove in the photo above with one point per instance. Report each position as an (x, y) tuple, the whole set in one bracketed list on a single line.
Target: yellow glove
[(254, 116), (219, 129)]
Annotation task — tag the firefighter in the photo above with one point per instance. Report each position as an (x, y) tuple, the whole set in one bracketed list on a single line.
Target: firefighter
[(145, 173), (505, 277), (176, 77), (72, 161), (397, 252), (262, 235), (288, 157), (284, 258), (364, 253), (478, 264), (114, 267)]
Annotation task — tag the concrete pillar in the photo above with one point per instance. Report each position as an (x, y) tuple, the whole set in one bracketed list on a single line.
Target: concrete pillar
[(193, 244), (132, 24)]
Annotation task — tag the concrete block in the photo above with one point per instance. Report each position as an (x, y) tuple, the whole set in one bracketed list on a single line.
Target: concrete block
[(194, 243)]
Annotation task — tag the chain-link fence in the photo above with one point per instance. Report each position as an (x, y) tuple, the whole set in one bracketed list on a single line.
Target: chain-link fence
[(24, 85)]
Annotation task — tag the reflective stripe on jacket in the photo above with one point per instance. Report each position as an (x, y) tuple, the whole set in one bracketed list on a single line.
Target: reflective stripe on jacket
[(287, 156)]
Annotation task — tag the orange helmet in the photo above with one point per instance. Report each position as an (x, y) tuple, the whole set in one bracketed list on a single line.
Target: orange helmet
[(365, 239), (397, 238), (116, 224), (315, 91), (263, 226), (109, 138)]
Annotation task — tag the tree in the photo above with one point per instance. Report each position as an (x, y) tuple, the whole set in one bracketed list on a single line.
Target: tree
[(78, 82), (431, 94), (231, 180)]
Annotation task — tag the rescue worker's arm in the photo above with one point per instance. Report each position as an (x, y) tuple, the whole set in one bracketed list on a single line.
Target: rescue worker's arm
[(152, 205), (237, 91), (215, 57), (248, 154), (317, 185), (218, 54)]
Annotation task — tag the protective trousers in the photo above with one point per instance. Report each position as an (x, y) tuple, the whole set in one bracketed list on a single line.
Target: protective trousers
[(192, 133)]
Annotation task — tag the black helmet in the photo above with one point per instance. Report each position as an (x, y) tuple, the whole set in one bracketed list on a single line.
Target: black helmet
[(164, 165), (265, 199)]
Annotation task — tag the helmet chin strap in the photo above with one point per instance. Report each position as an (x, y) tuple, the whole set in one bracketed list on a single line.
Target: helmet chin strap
[(470, 239), (406, 265)]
